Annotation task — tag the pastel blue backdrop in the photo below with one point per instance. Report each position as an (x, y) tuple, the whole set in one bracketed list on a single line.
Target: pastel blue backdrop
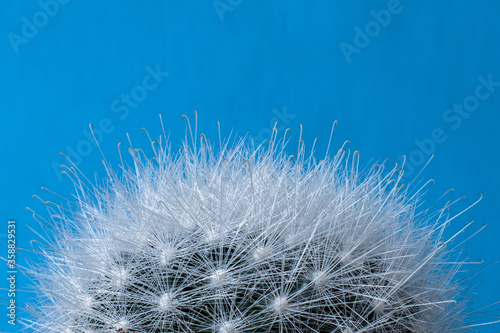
[(401, 77)]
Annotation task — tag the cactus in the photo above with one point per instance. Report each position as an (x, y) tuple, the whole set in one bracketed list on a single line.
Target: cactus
[(246, 240)]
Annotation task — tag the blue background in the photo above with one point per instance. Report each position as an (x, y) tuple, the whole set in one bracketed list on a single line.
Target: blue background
[(248, 64)]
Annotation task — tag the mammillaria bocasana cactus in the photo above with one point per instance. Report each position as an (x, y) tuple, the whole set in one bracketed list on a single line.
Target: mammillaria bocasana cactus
[(246, 240)]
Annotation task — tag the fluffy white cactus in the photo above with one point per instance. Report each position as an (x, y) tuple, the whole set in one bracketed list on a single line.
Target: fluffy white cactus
[(240, 239)]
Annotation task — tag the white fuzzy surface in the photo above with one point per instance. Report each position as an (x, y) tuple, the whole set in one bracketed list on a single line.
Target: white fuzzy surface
[(246, 240)]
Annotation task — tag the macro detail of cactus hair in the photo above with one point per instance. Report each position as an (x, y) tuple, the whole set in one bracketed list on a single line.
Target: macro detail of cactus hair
[(243, 238)]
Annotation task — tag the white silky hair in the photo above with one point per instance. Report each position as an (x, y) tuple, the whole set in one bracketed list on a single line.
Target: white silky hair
[(239, 238)]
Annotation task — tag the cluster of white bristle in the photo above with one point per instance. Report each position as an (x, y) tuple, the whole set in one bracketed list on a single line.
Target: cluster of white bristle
[(246, 240)]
